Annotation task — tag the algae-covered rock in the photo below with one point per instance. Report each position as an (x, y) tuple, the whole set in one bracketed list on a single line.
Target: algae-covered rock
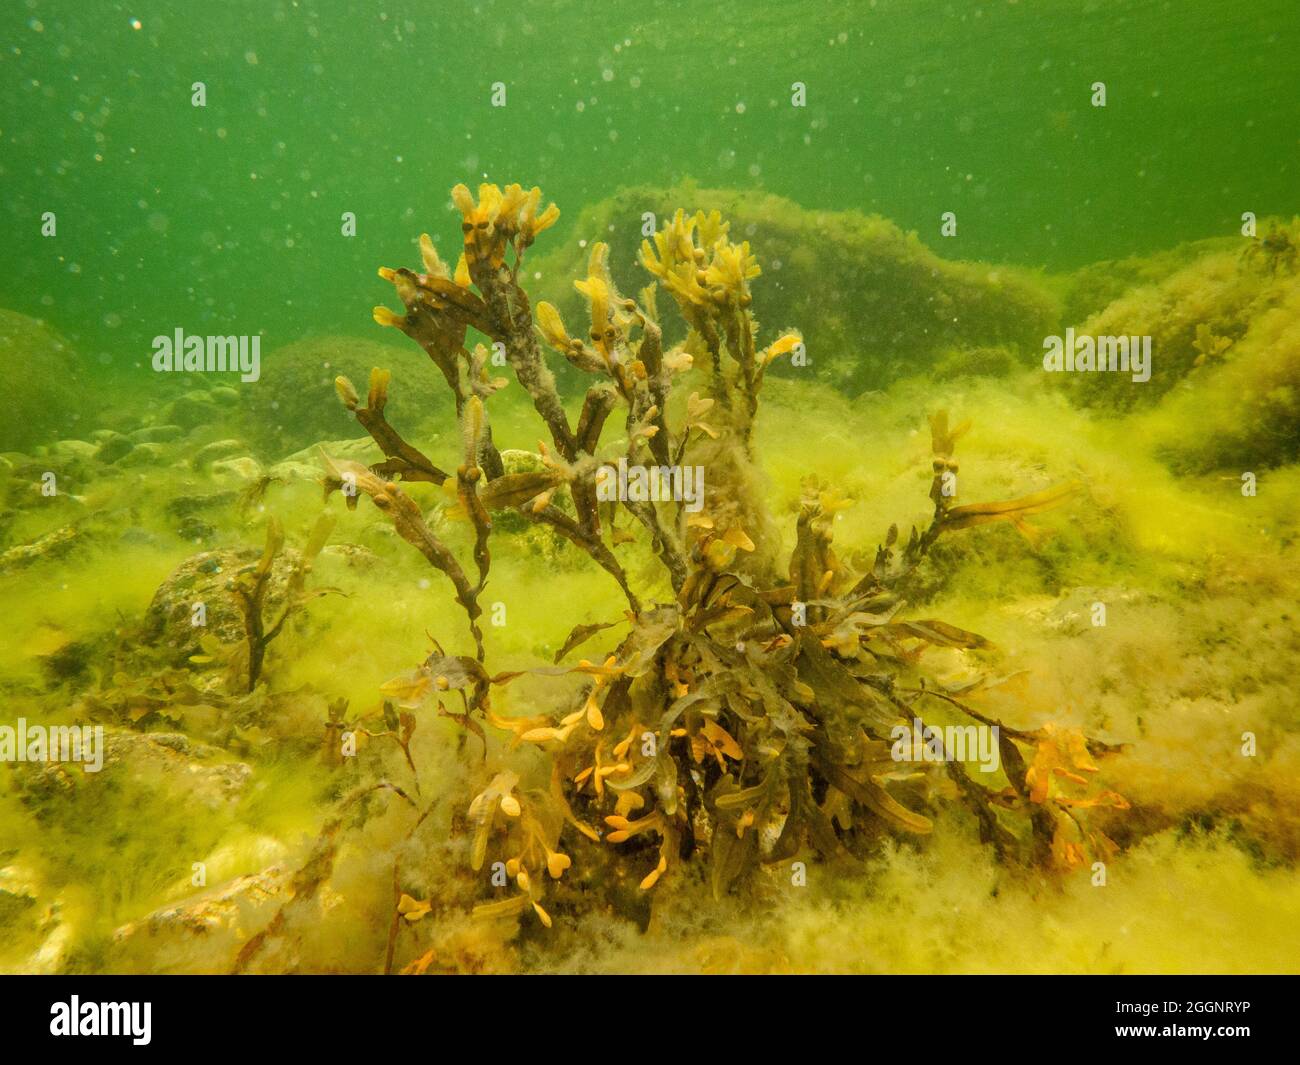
[(1241, 410), (1196, 317), (156, 434), (243, 470), (218, 449), (145, 454), (873, 303), (192, 772), (358, 449), (34, 940), (113, 447), (526, 535), (294, 403), (47, 394), (53, 545), (195, 529), (163, 783), (182, 506), (204, 578), (980, 361), (193, 409), (355, 556), (202, 934), (72, 449), (1095, 287)]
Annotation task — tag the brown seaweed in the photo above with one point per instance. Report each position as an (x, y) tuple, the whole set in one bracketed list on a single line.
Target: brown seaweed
[(747, 718)]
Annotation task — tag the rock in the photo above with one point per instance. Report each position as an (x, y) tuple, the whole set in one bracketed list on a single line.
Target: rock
[(203, 578), (537, 539), (71, 661), (196, 529), (872, 302), (294, 471), (998, 361), (52, 545), (139, 537), (184, 506), (157, 434), (53, 952), (193, 772), (294, 402), (218, 449), (1094, 287), (72, 449), (191, 410), (1241, 411), (1200, 319), (205, 932), (40, 924), (353, 555), (114, 447), (199, 771), (19, 891), (36, 940), (359, 449), (242, 469), (144, 454), (51, 406), (31, 470)]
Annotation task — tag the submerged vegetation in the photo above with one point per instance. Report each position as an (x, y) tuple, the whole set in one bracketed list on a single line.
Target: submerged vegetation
[(746, 718)]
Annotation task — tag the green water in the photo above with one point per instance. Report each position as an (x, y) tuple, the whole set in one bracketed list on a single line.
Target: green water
[(229, 215), (934, 193)]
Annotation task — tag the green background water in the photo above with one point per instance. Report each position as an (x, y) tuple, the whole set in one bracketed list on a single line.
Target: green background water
[(227, 218)]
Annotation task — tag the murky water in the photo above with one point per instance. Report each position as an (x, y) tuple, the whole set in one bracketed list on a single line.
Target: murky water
[(976, 406)]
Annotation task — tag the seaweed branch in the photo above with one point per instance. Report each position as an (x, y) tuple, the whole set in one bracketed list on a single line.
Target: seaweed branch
[(250, 587)]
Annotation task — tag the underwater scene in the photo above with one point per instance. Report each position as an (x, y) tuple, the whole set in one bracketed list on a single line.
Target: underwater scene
[(550, 487)]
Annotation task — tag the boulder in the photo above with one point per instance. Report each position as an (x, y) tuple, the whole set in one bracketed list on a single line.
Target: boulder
[(157, 434), (47, 394), (204, 578), (36, 940), (1240, 411), (238, 471), (53, 545), (195, 772), (293, 403), (872, 302), (113, 447), (183, 506), (144, 454), (1198, 316), (193, 409), (82, 450), (218, 449), (203, 933)]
